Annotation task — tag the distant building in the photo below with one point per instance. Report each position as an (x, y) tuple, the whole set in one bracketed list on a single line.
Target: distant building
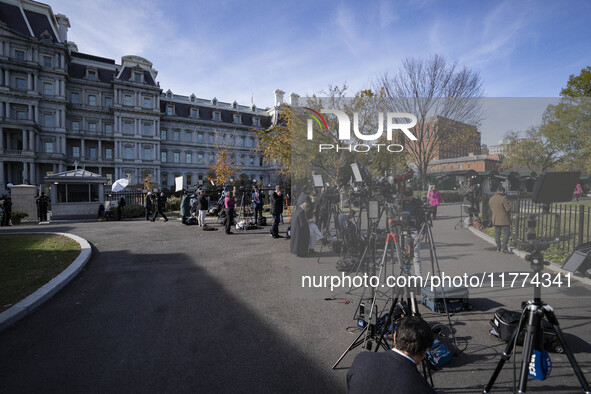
[(498, 149), (477, 163), (446, 146), (59, 106)]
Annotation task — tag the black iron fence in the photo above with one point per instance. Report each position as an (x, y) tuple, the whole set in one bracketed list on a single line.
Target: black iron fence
[(132, 197), (568, 223)]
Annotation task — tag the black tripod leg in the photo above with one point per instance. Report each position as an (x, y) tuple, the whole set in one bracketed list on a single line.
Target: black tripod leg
[(534, 328), (504, 357), (569, 354), (427, 372), (358, 341)]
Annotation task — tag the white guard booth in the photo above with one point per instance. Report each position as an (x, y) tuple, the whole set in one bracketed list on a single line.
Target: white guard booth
[(76, 194)]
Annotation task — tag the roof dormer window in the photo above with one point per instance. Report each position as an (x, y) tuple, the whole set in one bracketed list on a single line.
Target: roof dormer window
[(194, 113), (91, 75), (235, 105), (214, 101), (236, 118), (193, 98), (216, 116), (138, 77), (169, 94)]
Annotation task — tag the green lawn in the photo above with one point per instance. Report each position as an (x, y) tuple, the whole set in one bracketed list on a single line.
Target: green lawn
[(586, 203), (28, 261)]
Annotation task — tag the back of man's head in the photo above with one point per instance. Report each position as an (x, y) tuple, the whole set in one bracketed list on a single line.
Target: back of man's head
[(413, 336), (500, 189)]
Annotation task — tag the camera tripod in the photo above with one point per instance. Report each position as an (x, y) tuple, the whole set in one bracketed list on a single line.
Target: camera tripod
[(534, 311), (460, 222), (244, 213), (370, 330)]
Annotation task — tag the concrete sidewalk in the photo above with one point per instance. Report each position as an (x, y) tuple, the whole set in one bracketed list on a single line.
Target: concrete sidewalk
[(162, 307)]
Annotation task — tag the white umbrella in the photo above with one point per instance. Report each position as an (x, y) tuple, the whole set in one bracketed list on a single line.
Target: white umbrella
[(119, 185)]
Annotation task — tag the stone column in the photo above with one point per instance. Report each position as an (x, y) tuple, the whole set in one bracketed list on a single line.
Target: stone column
[(6, 78), (2, 175), (25, 171), (100, 150), (32, 175), (29, 81), (82, 151), (25, 140), (32, 144)]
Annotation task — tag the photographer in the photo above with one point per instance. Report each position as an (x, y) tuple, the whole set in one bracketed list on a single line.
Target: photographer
[(257, 204), (414, 207), (229, 205), (473, 196), (394, 371)]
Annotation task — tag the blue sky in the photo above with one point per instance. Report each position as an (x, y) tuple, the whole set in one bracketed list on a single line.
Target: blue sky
[(235, 50)]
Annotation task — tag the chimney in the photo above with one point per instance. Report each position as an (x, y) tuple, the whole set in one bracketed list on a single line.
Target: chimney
[(293, 99), (279, 97), (64, 24)]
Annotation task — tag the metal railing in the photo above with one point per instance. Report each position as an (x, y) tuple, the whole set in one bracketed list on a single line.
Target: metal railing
[(569, 223), (132, 197)]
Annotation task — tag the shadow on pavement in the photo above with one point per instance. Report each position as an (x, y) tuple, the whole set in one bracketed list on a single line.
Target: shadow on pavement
[(129, 323)]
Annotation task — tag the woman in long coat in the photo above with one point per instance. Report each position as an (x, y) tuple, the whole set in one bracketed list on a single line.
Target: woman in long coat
[(300, 232)]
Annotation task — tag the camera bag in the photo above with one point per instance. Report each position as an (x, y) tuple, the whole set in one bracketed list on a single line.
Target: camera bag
[(505, 322), (456, 298)]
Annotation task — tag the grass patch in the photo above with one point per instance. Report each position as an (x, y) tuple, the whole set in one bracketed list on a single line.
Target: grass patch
[(553, 253), (28, 261)]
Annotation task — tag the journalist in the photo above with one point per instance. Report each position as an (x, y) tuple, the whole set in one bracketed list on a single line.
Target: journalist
[(501, 218), (394, 371)]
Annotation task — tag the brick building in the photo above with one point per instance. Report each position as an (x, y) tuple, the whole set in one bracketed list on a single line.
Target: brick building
[(477, 163)]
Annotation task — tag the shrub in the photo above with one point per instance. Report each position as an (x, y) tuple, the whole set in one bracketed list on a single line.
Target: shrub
[(16, 216), (173, 204), (133, 211)]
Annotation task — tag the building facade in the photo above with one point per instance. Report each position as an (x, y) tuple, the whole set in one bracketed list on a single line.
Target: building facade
[(60, 108), (478, 163)]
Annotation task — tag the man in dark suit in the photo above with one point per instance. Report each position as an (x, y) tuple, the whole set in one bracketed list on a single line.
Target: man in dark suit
[(276, 200), (394, 371)]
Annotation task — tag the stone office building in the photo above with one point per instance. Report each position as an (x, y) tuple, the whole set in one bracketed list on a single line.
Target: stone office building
[(59, 106)]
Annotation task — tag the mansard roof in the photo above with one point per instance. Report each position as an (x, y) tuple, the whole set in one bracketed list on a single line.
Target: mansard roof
[(39, 23), (183, 110), (13, 18), (93, 57)]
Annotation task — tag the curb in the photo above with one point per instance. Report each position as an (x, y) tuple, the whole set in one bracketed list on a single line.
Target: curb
[(48, 290), (520, 253)]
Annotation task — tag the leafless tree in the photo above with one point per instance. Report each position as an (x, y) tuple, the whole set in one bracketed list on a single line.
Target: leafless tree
[(431, 87)]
